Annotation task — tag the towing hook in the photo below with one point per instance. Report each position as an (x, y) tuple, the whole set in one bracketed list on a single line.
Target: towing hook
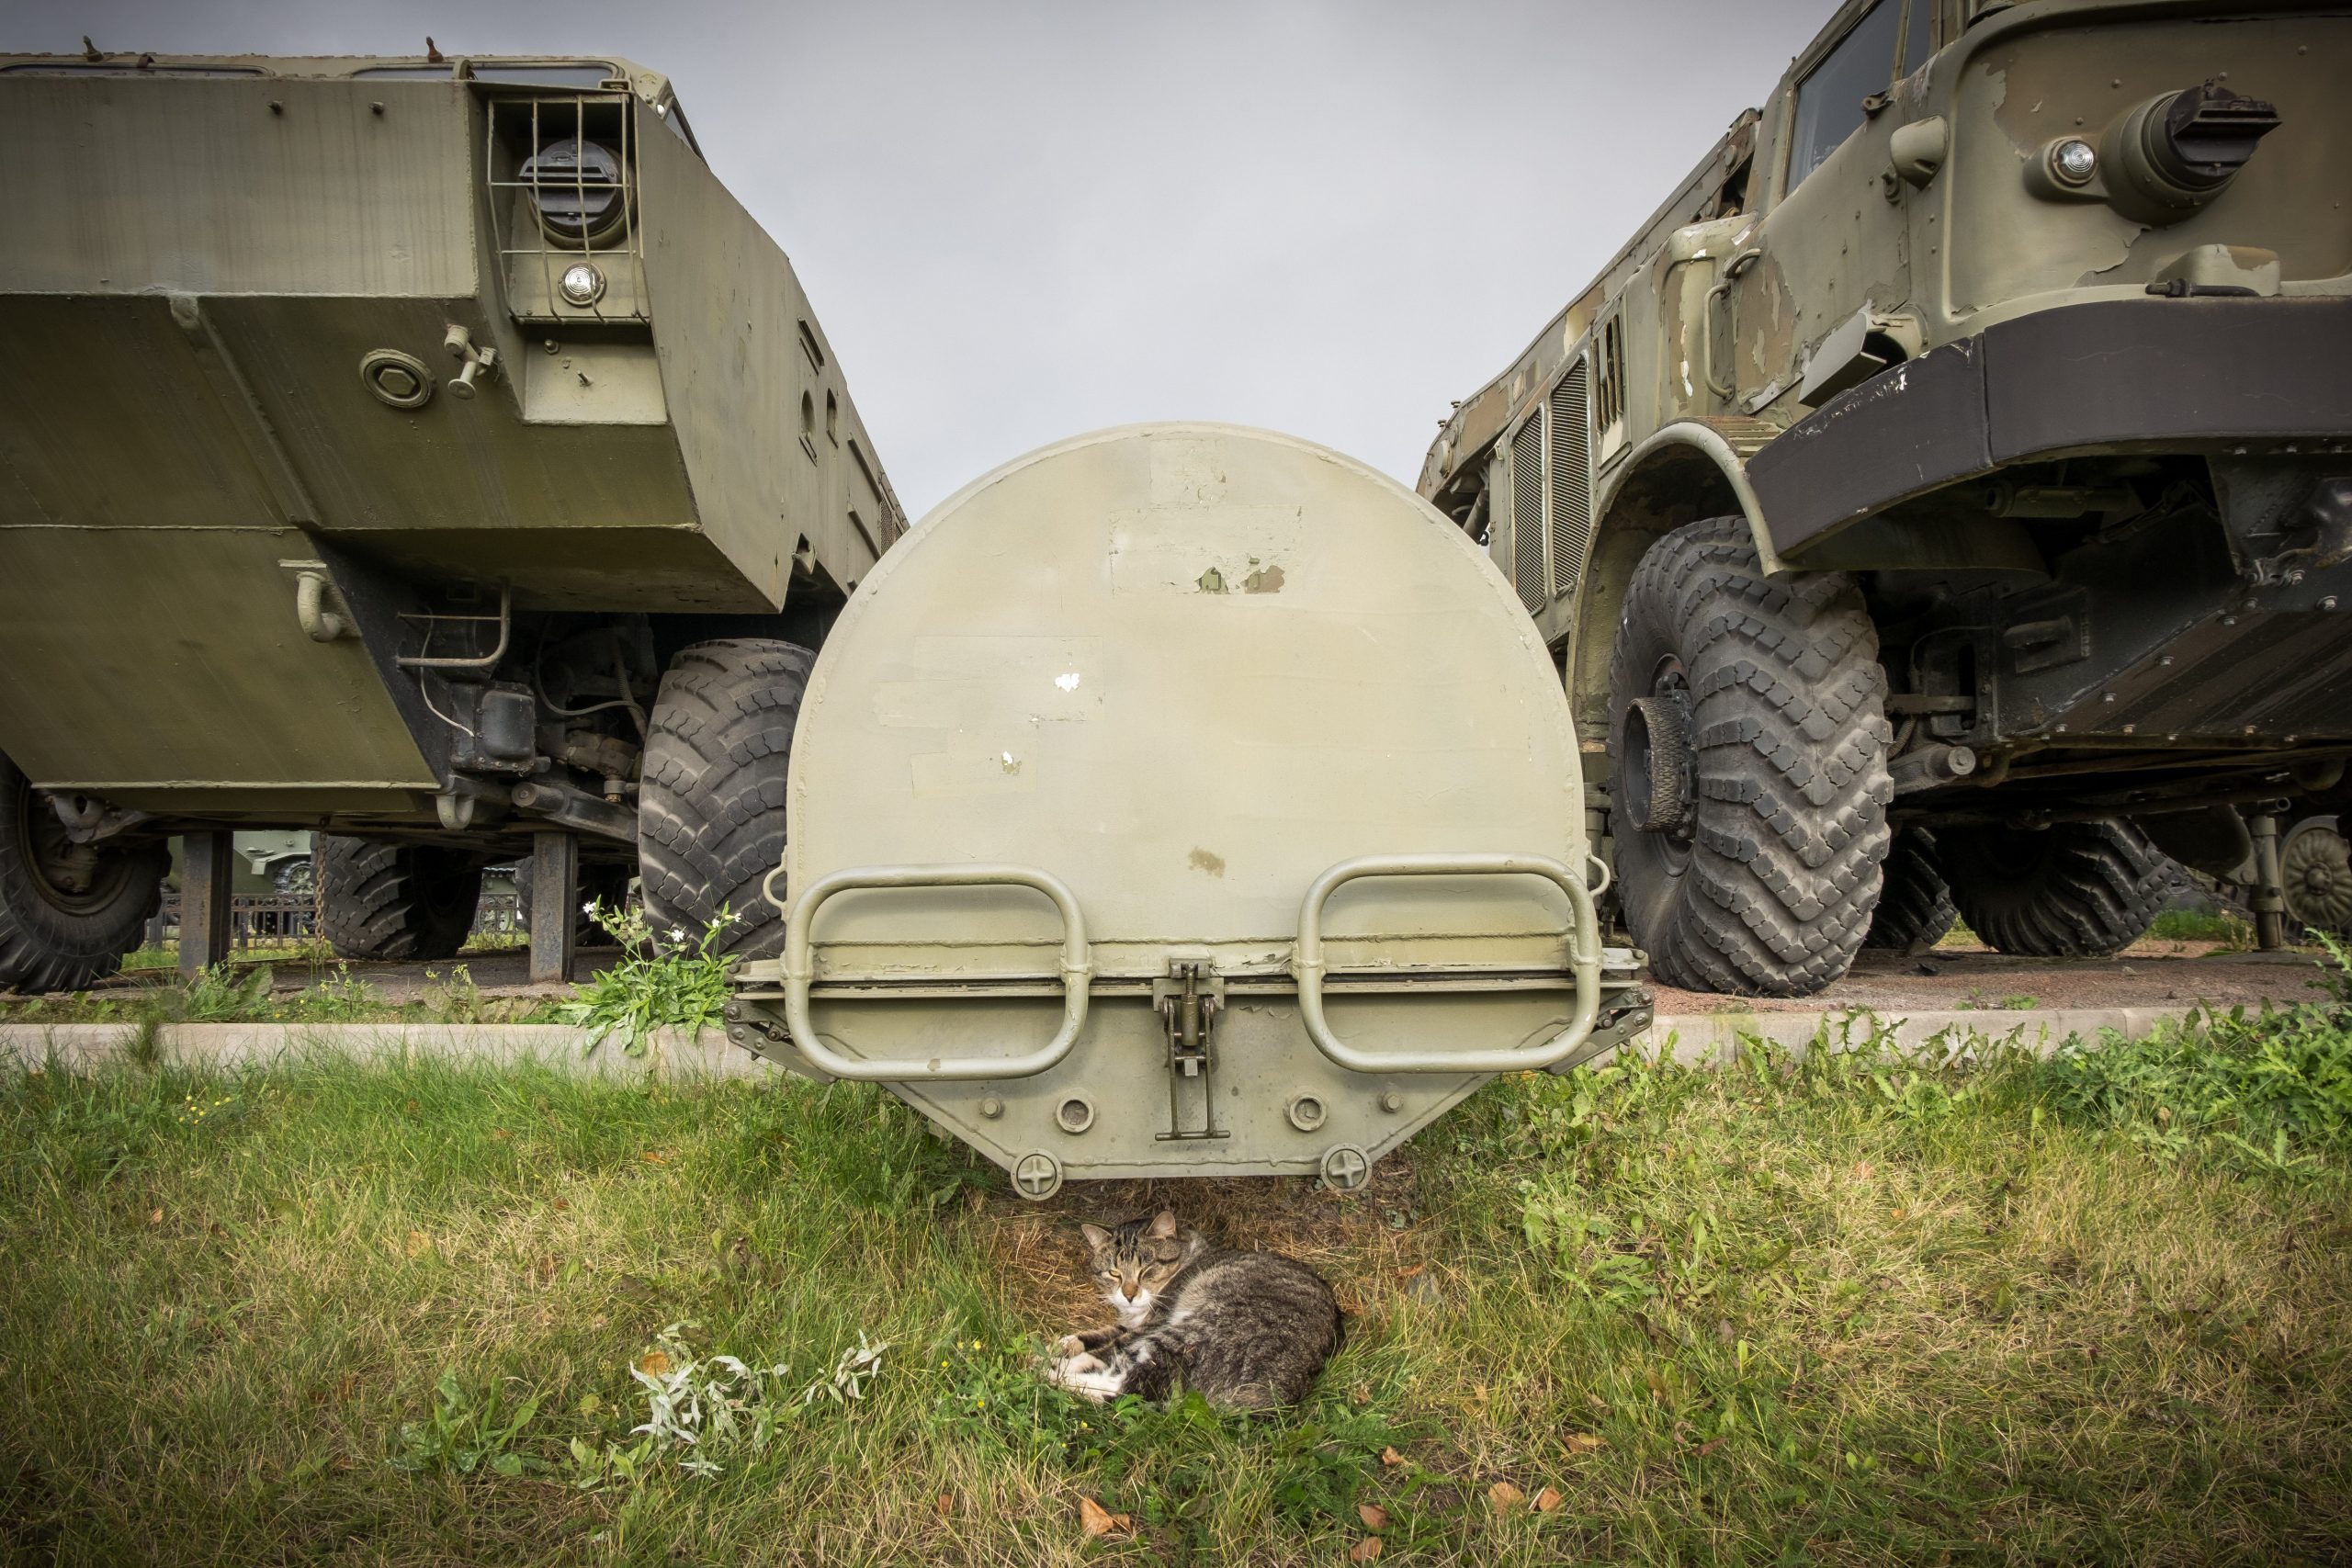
[(479, 362), (314, 600)]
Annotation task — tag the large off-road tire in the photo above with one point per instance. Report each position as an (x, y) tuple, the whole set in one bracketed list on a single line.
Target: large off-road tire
[(711, 807), (2074, 890), (1748, 736), (396, 903), (1914, 907), (68, 912)]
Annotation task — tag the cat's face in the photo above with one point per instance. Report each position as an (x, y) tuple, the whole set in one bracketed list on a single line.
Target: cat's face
[(1135, 1262)]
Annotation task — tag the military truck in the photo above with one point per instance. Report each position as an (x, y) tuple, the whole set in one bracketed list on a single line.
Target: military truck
[(1184, 800), (1945, 500), (426, 451)]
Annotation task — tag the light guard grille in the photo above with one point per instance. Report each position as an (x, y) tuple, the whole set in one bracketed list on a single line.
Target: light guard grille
[(1568, 470), (1526, 512)]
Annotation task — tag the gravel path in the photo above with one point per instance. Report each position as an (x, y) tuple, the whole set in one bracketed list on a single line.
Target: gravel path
[(2147, 973)]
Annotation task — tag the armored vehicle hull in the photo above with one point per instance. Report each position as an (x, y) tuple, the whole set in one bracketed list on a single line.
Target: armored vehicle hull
[(376, 437), (1184, 800), (1990, 383)]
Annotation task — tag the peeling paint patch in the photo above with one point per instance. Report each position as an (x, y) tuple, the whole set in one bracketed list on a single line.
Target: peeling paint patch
[(939, 776), (1265, 580), (1212, 581), (1204, 860)]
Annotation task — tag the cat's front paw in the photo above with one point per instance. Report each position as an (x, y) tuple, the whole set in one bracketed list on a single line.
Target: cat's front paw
[(1069, 1345), (1086, 1377)]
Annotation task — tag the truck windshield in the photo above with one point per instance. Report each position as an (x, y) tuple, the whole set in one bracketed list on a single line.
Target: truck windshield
[(1829, 100)]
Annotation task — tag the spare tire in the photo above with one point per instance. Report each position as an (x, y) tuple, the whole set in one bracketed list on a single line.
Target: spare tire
[(2071, 890), (1748, 734), (396, 903), (711, 807), (68, 912)]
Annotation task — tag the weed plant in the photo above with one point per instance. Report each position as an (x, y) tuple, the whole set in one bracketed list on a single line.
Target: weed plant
[(680, 984)]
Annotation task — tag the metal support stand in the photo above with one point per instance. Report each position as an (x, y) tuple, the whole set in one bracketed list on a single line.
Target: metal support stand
[(555, 900), (2269, 894), (205, 862)]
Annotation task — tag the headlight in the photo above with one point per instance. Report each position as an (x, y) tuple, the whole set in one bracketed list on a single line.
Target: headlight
[(2074, 161), (576, 190), (581, 285)]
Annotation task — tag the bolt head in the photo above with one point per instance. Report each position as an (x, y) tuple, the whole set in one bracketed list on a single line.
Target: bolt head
[(1345, 1166), (1037, 1177)]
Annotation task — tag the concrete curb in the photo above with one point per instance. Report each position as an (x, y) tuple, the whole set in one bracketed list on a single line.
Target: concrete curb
[(1716, 1036), (670, 1054), (1694, 1037)]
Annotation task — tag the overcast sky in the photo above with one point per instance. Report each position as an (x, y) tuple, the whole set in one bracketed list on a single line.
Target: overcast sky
[(1021, 220)]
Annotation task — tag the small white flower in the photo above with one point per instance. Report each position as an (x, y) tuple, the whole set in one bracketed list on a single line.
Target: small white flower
[(589, 908), (677, 933)]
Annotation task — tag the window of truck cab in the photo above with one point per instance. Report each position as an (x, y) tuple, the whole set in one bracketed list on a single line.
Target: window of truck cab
[(1890, 40)]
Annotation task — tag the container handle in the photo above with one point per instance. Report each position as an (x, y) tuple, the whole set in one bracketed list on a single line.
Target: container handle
[(1584, 963), (798, 966)]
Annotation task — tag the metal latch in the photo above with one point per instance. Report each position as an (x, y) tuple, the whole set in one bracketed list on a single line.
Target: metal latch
[(1189, 1000)]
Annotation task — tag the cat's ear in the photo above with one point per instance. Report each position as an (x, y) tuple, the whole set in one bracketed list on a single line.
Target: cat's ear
[(1163, 1225), (1096, 1237)]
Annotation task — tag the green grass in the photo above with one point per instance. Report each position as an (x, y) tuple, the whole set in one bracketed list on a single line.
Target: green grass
[(2204, 925), (1842, 1308)]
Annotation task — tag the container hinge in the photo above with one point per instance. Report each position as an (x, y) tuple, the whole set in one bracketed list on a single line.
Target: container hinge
[(1189, 1000)]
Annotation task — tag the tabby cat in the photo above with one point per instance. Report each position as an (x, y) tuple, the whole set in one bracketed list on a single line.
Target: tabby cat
[(1247, 1330)]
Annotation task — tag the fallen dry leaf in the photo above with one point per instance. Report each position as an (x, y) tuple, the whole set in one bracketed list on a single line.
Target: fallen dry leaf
[(1503, 1496), (946, 1504), (654, 1156), (1366, 1551), (1409, 1273), (155, 1216), (1373, 1515), (1710, 1446), (1361, 1394), (653, 1363), (346, 1384), (1391, 1457), (562, 1204), (1862, 1169), (500, 1134), (1097, 1520), (1584, 1442), (418, 1243), (1548, 1499)]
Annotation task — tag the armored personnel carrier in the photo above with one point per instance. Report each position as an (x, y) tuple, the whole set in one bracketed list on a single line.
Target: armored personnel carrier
[(427, 451), (1184, 800), (1944, 502)]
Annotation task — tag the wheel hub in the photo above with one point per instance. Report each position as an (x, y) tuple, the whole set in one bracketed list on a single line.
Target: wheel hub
[(68, 872), (1661, 788), (2315, 872)]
